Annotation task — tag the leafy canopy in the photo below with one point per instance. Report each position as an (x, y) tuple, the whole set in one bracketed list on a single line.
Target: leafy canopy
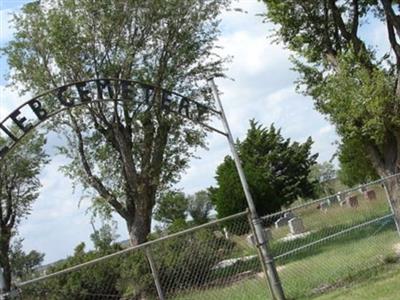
[(276, 169)]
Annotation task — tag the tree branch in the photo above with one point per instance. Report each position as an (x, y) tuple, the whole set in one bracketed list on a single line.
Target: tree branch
[(354, 25), (92, 179), (390, 15)]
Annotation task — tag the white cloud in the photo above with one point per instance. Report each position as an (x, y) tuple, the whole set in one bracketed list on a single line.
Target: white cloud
[(252, 53), (10, 100)]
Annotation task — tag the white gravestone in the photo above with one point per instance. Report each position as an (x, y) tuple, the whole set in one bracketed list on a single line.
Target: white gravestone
[(296, 226), (283, 221), (226, 233)]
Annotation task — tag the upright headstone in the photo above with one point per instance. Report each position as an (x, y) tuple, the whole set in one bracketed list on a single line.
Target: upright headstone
[(370, 195), (341, 199), (323, 206), (352, 201), (226, 233), (288, 215), (333, 200), (283, 221), (362, 189), (296, 226)]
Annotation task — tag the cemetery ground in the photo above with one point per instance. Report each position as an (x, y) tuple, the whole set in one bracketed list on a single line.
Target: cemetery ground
[(361, 263)]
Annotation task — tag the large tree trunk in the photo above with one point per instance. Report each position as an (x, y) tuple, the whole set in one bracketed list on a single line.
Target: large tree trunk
[(5, 260), (139, 224), (139, 228), (386, 161)]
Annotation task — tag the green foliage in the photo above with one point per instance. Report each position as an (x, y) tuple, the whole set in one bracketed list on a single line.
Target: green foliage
[(276, 169), (84, 283), (104, 237), (200, 206), (19, 188), (323, 176), (193, 257), (23, 263), (172, 206), (355, 167), (354, 88)]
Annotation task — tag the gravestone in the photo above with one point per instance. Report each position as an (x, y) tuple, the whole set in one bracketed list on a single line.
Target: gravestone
[(288, 215), (296, 226), (226, 233), (352, 201), (333, 200), (252, 241), (323, 206), (362, 189), (370, 195), (341, 199), (283, 221)]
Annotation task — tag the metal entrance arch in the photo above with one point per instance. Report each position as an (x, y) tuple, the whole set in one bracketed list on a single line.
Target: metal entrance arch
[(34, 112)]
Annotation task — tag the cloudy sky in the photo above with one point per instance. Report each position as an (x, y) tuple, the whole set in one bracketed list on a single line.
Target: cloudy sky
[(262, 88)]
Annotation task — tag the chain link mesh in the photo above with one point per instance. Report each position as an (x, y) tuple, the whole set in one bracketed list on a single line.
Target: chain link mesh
[(318, 246), (214, 261)]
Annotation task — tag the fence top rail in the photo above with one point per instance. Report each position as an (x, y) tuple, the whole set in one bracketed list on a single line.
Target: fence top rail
[(346, 191), (129, 249)]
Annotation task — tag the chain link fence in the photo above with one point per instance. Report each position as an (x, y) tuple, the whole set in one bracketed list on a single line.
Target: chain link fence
[(324, 244), (317, 246), (210, 261)]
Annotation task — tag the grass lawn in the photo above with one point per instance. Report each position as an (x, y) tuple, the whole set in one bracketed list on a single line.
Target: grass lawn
[(343, 258), (382, 286)]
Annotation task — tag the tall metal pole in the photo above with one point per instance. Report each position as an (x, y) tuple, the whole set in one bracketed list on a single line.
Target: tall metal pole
[(154, 273), (267, 258)]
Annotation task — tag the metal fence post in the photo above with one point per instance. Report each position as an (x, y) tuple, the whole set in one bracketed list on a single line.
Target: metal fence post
[(154, 273), (272, 274), (260, 255)]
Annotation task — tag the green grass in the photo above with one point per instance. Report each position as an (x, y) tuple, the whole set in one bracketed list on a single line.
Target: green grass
[(338, 261), (383, 286), (324, 267)]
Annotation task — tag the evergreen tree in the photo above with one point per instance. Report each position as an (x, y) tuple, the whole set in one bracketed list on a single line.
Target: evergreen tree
[(276, 169)]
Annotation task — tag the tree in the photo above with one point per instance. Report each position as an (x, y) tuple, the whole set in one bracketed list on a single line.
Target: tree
[(323, 176), (122, 154), (355, 168), (276, 169), (19, 188), (103, 238), (23, 263), (355, 88), (172, 206), (199, 207)]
